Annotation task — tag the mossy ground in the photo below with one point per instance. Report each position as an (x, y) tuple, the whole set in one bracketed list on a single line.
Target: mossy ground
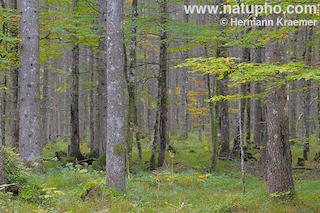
[(184, 185)]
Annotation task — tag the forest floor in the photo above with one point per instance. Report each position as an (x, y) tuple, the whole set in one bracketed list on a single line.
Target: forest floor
[(183, 186)]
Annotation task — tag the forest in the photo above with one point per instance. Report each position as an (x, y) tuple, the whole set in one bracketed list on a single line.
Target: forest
[(159, 106)]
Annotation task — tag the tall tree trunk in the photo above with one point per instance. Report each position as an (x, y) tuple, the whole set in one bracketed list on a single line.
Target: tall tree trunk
[(183, 127), (82, 94), (292, 90), (96, 105), (4, 109), (163, 83), (115, 149), (150, 87), (45, 102), (68, 95), (224, 105), (102, 88), (92, 102), (241, 146), (29, 131), (2, 172), (307, 99), (259, 113), (74, 148), (45, 106), (248, 118), (278, 147), (214, 110), (224, 119), (247, 58), (213, 127), (131, 81), (155, 136), (12, 4), (4, 83), (292, 111)]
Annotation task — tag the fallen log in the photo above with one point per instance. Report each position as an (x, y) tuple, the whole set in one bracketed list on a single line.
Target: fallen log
[(88, 161)]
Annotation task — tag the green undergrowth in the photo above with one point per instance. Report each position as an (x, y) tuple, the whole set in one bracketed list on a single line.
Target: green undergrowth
[(183, 185)]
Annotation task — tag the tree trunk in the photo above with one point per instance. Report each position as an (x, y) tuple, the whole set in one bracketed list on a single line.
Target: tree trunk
[(91, 103), (222, 51), (224, 119), (74, 148), (131, 81), (259, 115), (279, 165), (4, 109), (247, 58), (307, 99), (45, 106), (29, 132), (102, 88), (213, 127), (14, 85), (241, 147), (2, 172), (248, 118), (115, 149), (82, 94), (183, 127), (4, 83), (155, 136), (163, 84)]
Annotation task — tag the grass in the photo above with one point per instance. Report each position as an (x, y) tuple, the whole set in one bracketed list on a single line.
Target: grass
[(185, 186)]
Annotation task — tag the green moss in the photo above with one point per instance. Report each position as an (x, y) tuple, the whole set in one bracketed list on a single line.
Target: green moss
[(102, 160), (118, 149), (114, 192), (95, 166)]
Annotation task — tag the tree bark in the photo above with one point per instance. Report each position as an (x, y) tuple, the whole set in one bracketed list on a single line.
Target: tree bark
[(91, 103), (247, 58), (224, 105), (241, 147), (163, 84), (259, 113), (4, 109), (45, 107), (183, 127), (102, 88), (131, 82), (74, 148), (155, 140), (248, 118), (278, 147), (2, 172), (14, 86), (29, 122), (115, 149), (213, 127)]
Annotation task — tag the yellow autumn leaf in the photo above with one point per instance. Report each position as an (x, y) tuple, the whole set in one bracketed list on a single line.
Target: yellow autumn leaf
[(58, 192), (50, 189), (201, 180)]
